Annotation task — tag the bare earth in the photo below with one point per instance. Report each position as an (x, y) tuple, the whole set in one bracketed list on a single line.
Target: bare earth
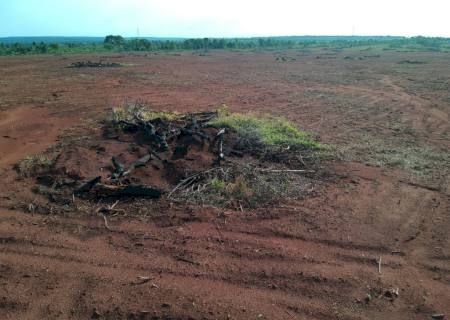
[(342, 253)]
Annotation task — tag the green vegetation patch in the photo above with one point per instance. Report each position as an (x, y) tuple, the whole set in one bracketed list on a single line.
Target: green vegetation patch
[(265, 130)]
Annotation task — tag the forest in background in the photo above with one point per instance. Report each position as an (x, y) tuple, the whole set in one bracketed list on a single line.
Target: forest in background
[(117, 43)]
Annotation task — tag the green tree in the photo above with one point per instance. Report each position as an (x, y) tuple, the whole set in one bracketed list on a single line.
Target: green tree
[(112, 41)]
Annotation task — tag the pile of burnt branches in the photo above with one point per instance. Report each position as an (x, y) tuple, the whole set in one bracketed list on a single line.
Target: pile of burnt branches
[(186, 158), (160, 127), (158, 132), (90, 64)]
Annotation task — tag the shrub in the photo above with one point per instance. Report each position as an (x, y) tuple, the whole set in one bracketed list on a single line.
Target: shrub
[(217, 185)]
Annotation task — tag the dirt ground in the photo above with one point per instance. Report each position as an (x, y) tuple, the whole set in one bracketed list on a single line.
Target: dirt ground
[(372, 243)]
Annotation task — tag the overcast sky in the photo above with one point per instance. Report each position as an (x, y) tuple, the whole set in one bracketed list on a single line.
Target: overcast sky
[(223, 18)]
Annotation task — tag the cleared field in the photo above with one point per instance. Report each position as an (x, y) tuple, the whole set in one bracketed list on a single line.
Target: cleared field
[(377, 223)]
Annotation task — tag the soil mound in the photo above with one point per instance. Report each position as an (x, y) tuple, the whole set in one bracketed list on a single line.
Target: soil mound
[(202, 158)]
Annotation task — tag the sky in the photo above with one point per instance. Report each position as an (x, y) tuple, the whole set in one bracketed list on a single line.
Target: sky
[(223, 18)]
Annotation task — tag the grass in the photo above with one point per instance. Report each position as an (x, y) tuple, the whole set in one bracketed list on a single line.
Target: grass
[(266, 130), (33, 165), (244, 185), (420, 161), (127, 112)]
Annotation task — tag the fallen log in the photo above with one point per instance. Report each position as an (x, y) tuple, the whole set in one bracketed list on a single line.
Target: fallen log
[(104, 191)]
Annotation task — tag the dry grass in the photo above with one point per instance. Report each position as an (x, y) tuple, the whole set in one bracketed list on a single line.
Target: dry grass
[(127, 112), (244, 186), (33, 165)]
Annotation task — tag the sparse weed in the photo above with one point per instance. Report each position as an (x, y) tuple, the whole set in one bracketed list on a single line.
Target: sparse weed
[(420, 161), (33, 165), (127, 112)]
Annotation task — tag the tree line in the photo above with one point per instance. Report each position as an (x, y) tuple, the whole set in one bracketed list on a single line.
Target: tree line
[(119, 43)]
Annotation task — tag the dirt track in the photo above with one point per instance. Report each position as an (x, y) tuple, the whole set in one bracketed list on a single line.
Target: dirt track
[(315, 259)]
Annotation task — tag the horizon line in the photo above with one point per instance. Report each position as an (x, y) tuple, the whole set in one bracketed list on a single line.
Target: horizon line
[(227, 37)]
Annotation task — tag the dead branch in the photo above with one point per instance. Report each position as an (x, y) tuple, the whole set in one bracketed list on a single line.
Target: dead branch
[(379, 266), (286, 170), (106, 222), (87, 186), (117, 165), (102, 190), (138, 163), (189, 180)]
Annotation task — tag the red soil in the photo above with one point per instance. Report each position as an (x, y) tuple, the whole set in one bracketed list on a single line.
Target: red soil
[(313, 259)]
